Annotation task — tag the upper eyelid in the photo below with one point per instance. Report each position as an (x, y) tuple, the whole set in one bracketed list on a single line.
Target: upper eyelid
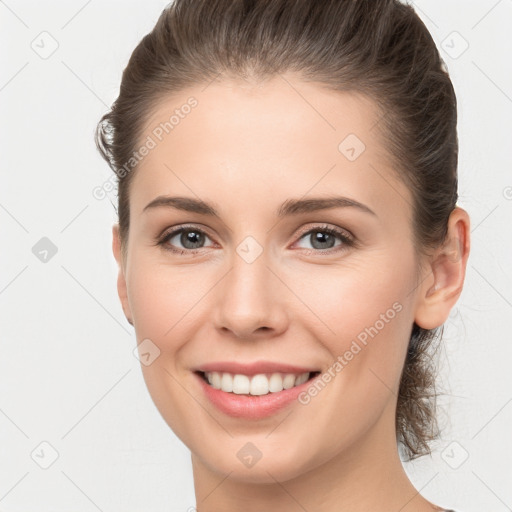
[(178, 229), (325, 226)]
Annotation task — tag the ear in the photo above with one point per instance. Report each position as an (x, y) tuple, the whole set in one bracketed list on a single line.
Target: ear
[(442, 287), (121, 279)]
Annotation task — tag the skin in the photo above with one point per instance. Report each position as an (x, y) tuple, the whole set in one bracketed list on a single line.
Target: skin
[(292, 303)]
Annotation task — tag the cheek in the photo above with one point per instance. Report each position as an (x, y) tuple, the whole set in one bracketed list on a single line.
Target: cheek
[(164, 298), (369, 317), (363, 315), (165, 303), (355, 299)]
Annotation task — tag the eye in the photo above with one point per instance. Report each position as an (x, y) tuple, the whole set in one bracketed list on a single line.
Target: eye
[(191, 239), (323, 238)]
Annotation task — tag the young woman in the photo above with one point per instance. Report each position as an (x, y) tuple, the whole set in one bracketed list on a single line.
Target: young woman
[(289, 244)]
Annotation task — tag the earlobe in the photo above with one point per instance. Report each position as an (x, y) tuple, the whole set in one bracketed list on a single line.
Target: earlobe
[(443, 285), (122, 290)]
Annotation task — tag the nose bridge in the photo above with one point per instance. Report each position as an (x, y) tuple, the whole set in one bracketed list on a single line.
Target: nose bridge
[(248, 297)]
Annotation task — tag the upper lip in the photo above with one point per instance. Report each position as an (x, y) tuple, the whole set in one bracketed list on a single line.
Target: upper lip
[(252, 368)]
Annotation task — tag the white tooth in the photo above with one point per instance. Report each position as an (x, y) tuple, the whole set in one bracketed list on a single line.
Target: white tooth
[(241, 384), (288, 381), (226, 383), (216, 380), (303, 377), (259, 384), (275, 384)]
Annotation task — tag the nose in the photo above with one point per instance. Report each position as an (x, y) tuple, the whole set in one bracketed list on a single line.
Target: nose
[(251, 300)]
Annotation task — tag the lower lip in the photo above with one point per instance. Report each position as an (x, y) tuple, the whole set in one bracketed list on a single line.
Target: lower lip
[(251, 406)]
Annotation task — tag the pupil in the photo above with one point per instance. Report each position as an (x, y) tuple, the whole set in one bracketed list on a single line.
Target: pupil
[(192, 237), (322, 238)]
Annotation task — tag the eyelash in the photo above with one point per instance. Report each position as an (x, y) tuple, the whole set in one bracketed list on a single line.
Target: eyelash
[(348, 241)]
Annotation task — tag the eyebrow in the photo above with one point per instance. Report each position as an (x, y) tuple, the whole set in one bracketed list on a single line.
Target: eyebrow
[(289, 207)]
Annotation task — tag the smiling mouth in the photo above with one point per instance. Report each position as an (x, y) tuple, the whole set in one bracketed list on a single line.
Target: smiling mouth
[(255, 385)]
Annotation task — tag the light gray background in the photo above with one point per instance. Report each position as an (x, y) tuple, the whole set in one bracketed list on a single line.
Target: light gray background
[(68, 376)]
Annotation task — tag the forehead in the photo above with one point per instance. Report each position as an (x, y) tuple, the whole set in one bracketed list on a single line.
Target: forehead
[(284, 135)]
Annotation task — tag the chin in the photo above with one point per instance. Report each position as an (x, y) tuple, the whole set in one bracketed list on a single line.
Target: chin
[(259, 462)]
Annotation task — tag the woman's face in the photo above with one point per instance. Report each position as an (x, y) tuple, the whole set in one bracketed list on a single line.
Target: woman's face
[(250, 285)]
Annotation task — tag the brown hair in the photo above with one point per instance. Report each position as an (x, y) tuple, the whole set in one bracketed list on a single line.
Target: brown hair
[(380, 48)]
